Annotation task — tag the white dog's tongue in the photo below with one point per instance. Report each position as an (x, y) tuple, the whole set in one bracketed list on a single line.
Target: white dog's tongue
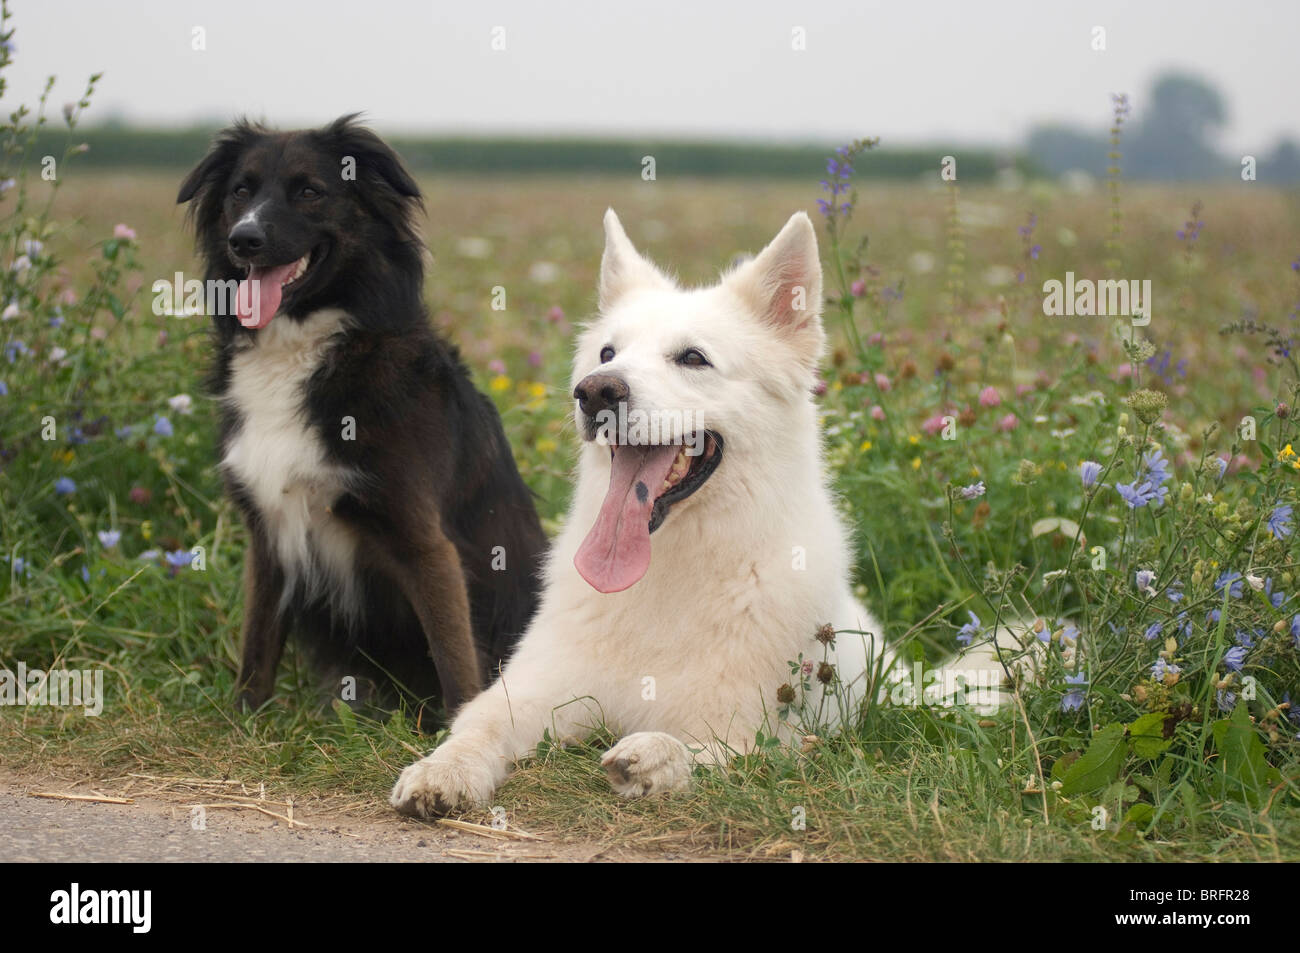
[(616, 553), (268, 283)]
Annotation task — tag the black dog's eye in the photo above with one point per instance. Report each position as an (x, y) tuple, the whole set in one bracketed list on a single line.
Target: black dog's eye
[(307, 192), (693, 358), (606, 354), (241, 192)]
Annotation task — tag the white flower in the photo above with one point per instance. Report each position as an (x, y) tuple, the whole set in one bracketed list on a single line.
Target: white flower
[(10, 312), (181, 403), (21, 263), (32, 247), (1256, 582), (57, 354)]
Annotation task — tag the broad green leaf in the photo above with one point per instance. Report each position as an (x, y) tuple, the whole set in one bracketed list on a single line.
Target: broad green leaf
[(1100, 764), (1148, 735), (1245, 772)]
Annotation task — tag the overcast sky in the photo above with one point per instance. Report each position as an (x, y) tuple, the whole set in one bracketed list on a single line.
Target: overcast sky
[(933, 71)]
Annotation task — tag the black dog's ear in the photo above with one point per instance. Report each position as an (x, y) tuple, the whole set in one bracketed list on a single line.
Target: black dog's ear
[(374, 156), (221, 158)]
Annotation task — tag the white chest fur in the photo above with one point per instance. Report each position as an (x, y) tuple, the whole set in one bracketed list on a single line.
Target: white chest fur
[(277, 455)]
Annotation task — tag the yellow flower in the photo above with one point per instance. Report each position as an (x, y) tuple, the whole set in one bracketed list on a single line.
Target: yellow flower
[(546, 445), (1285, 454), (866, 445), (500, 383), (914, 439), (146, 530), (916, 463), (537, 389)]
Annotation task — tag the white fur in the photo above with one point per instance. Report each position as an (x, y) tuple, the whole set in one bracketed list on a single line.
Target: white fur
[(686, 662), (279, 457)]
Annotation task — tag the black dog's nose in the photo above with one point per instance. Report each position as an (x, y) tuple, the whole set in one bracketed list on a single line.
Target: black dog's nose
[(246, 239), (597, 392)]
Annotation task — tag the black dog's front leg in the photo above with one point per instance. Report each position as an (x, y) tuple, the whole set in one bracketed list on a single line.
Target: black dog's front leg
[(265, 626)]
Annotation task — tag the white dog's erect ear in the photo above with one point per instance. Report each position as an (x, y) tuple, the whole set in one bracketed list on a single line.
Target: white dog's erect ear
[(784, 286), (621, 266)]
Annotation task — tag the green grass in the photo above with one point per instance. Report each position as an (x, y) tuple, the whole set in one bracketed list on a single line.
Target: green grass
[(905, 783)]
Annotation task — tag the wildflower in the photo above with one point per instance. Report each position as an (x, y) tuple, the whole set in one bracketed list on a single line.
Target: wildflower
[(1161, 668), (14, 350), (179, 559), (85, 574), (989, 397), (1276, 598), (1235, 658), (1073, 699), (64, 486), (1008, 423), (124, 432), (1070, 634), (1143, 579), (10, 312), (1175, 591), (1279, 521), (1153, 630), (1225, 699), (108, 538), (534, 358), (934, 424), (858, 288), (825, 673), (1223, 465), (806, 667), (140, 495), (4, 389), (124, 231), (181, 403), (970, 629), (826, 634), (883, 382), (972, 492), (148, 556), (497, 366), (162, 427), (877, 412), (1232, 581), (20, 566), (1088, 473), (785, 694), (1246, 639), (21, 263), (819, 388)]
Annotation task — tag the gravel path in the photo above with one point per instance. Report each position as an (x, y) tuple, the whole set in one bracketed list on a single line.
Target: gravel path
[(163, 828)]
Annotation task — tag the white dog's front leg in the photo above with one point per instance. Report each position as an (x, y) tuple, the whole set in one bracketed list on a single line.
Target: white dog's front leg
[(488, 735), (648, 762)]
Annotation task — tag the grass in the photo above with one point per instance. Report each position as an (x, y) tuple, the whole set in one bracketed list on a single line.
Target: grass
[(907, 783)]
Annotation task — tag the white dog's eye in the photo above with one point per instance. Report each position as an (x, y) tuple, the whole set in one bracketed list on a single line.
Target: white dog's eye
[(606, 354), (693, 358)]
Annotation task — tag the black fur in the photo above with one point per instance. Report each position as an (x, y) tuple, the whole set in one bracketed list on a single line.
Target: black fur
[(437, 470)]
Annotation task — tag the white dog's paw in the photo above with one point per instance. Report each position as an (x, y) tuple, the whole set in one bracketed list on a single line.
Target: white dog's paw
[(441, 784), (648, 762)]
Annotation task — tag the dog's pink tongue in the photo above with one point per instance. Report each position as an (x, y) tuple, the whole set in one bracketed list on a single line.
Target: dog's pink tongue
[(616, 553), (259, 294)]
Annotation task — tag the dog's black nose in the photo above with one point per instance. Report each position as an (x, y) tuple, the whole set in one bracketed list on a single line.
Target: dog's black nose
[(597, 392), (246, 239)]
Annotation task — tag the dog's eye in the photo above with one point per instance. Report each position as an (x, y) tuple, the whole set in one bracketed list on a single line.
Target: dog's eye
[(606, 354), (307, 192), (241, 192), (693, 358)]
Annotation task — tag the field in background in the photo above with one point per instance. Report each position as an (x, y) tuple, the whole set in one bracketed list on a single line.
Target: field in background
[(941, 288)]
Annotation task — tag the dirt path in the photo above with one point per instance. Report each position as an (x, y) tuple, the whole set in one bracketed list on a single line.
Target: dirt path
[(172, 820)]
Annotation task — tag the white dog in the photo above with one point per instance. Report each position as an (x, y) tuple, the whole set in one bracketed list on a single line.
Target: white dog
[(702, 552)]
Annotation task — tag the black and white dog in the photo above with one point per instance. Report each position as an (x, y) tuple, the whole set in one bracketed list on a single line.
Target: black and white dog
[(387, 522)]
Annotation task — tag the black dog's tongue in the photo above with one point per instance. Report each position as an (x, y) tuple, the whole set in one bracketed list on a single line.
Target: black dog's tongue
[(616, 553), (259, 294)]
